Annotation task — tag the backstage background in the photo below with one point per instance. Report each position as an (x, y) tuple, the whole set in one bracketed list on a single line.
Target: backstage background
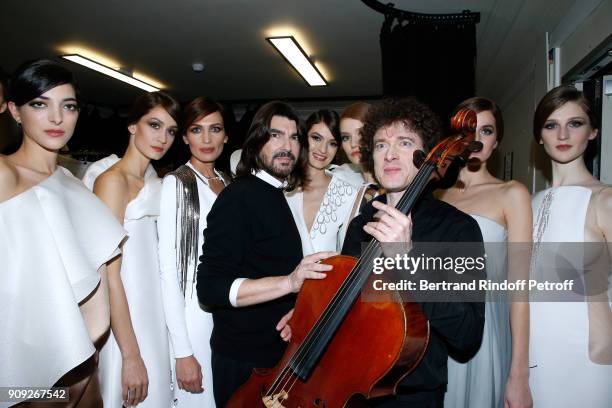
[(513, 53)]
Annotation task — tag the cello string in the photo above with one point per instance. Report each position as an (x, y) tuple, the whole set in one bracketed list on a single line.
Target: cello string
[(302, 352), (350, 282), (372, 248)]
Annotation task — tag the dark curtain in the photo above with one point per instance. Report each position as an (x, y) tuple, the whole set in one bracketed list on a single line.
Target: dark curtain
[(434, 62)]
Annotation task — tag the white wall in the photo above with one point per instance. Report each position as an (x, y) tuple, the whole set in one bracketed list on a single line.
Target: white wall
[(585, 27)]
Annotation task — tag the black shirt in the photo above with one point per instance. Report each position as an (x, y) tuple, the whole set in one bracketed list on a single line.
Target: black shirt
[(250, 234), (455, 325)]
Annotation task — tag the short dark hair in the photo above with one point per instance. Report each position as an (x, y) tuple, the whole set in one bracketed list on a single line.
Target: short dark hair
[(479, 104), (146, 102), (198, 108), (34, 78), (556, 98), (410, 112), (259, 134)]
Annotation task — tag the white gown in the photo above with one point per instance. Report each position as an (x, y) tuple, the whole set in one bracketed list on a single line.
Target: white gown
[(50, 263), (190, 327), (331, 221), (561, 373), (140, 275), (480, 382)]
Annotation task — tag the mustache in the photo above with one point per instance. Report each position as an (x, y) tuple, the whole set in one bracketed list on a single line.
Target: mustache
[(284, 153)]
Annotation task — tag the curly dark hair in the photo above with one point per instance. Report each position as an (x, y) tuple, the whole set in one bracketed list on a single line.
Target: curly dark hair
[(412, 113)]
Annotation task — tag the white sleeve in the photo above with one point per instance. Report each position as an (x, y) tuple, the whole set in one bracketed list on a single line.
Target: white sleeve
[(173, 300), (233, 293)]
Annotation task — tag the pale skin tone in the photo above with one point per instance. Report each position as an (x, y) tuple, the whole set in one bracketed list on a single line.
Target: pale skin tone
[(48, 122), (150, 138), (205, 137), (351, 141), (565, 136), (508, 204), (322, 148), (393, 152)]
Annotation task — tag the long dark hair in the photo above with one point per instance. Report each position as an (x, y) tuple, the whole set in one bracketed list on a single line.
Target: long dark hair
[(259, 134), (329, 118), (198, 108), (146, 102)]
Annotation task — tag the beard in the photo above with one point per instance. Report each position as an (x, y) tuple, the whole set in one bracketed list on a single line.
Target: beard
[(280, 171)]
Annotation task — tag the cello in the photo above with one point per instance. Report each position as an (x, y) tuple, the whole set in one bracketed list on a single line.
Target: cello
[(371, 346)]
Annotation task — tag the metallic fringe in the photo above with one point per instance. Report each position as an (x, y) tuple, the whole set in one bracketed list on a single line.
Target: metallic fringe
[(187, 222)]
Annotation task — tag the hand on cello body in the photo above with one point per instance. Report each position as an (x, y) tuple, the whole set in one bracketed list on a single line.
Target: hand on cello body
[(308, 268)]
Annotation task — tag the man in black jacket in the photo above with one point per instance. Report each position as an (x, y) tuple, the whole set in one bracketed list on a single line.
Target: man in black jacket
[(251, 265), (394, 129)]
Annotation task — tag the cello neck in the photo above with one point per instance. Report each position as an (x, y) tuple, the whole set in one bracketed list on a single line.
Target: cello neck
[(322, 332)]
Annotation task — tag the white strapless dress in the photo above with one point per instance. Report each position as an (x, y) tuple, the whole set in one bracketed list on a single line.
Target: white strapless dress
[(140, 275), (561, 373), (480, 382)]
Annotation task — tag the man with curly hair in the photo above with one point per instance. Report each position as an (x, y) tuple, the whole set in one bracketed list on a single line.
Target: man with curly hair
[(392, 132)]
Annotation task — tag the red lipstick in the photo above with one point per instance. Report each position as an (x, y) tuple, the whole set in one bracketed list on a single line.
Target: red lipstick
[(55, 132), (563, 147)]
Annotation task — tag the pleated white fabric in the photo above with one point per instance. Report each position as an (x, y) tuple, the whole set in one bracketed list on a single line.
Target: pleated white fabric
[(53, 239)]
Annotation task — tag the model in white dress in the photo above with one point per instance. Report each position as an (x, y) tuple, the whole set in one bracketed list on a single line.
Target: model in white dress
[(49, 265), (330, 223), (561, 371), (189, 325), (480, 382), (140, 276)]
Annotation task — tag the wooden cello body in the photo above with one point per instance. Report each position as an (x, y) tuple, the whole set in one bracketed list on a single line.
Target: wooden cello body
[(396, 333), (344, 350)]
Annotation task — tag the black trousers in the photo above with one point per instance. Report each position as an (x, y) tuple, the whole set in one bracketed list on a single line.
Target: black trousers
[(228, 375)]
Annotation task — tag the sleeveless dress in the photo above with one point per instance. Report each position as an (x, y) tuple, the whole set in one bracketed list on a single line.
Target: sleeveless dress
[(561, 373), (140, 275), (332, 219), (480, 382), (189, 325), (49, 264)]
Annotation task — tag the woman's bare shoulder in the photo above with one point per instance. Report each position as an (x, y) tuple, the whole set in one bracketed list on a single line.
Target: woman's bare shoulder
[(603, 208), (9, 179)]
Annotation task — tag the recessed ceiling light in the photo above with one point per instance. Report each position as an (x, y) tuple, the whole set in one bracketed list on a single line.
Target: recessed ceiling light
[(103, 69), (294, 54)]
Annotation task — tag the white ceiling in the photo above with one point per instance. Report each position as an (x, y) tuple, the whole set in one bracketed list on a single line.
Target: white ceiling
[(163, 39)]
